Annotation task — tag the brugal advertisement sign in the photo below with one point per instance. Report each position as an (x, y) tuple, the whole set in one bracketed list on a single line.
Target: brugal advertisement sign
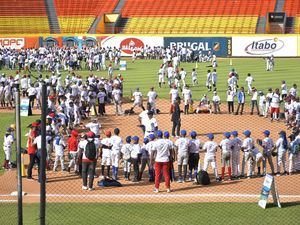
[(221, 46)]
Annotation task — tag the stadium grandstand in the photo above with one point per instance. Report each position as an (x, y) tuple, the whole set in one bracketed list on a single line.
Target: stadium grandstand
[(145, 16)]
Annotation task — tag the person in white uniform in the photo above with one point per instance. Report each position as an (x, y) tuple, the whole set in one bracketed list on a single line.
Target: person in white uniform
[(181, 146), (236, 143), (226, 148), (247, 146), (7, 147), (126, 155), (59, 147), (210, 155), (138, 99), (117, 143), (282, 147), (152, 96), (106, 154)]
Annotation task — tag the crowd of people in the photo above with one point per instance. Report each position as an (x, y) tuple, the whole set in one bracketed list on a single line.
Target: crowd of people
[(74, 100)]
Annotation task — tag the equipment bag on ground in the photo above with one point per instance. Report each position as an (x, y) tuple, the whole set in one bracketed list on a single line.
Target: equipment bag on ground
[(109, 183), (203, 178)]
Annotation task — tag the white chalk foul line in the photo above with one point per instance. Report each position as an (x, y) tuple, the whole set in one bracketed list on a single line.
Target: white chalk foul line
[(7, 201), (114, 196)]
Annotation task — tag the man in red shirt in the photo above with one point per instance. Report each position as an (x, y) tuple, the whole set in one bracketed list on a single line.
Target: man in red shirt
[(32, 149), (72, 148)]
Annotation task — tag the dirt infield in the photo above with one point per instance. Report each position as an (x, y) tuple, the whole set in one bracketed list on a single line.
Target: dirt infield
[(66, 187)]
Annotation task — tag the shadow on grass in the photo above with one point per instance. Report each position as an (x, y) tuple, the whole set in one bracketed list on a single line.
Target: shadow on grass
[(284, 204)]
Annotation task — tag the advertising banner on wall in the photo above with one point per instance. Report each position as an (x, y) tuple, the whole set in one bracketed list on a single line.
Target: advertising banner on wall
[(13, 43), (221, 46), (261, 46), (130, 44)]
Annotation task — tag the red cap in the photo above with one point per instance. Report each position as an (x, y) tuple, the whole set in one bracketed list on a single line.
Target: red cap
[(35, 124), (90, 134), (107, 133), (52, 115)]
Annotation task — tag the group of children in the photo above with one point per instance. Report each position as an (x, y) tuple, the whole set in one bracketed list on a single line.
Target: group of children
[(135, 155)]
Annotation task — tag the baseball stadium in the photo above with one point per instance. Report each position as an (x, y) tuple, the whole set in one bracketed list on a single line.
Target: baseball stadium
[(149, 112)]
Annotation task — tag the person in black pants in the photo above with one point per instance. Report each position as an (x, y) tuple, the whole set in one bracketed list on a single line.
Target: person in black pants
[(33, 158), (135, 155), (230, 98), (176, 118), (88, 169)]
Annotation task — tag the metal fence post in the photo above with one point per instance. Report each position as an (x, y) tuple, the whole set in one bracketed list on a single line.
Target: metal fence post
[(18, 152), (43, 157)]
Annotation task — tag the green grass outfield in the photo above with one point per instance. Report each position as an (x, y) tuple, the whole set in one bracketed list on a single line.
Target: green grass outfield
[(143, 73), (156, 213)]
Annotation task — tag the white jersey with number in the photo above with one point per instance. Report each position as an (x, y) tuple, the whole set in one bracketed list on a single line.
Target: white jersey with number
[(182, 144), (211, 148), (226, 145), (117, 143), (137, 96)]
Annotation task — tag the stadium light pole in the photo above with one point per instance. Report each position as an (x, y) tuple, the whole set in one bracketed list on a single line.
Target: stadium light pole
[(18, 152), (42, 175)]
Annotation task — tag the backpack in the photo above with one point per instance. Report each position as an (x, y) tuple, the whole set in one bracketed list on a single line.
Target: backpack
[(90, 150), (203, 178), (109, 183)]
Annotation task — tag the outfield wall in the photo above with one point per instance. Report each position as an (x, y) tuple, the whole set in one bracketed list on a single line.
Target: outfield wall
[(221, 45)]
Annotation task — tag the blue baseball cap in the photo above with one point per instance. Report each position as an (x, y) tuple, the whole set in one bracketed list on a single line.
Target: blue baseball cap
[(128, 139), (193, 134), (159, 133), (183, 132), (235, 133), (151, 136), (247, 133), (227, 134), (210, 136), (146, 140), (166, 134), (135, 138), (266, 132)]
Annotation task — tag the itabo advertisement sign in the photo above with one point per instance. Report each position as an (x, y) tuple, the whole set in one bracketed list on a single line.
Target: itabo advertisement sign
[(261, 46), (221, 46)]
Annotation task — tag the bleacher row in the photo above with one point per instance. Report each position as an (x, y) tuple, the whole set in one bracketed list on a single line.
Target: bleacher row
[(143, 16), (191, 25)]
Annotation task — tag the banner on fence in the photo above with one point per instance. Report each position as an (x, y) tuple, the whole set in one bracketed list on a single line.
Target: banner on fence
[(221, 46), (24, 107), (262, 46), (130, 44)]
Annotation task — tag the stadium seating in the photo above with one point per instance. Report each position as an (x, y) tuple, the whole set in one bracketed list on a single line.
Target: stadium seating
[(75, 24), (77, 16), (292, 7), (23, 17), (197, 7), (194, 16), (24, 25), (208, 24)]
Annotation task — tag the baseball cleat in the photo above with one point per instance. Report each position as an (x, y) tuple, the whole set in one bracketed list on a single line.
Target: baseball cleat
[(84, 187), (91, 189), (168, 190), (155, 190)]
